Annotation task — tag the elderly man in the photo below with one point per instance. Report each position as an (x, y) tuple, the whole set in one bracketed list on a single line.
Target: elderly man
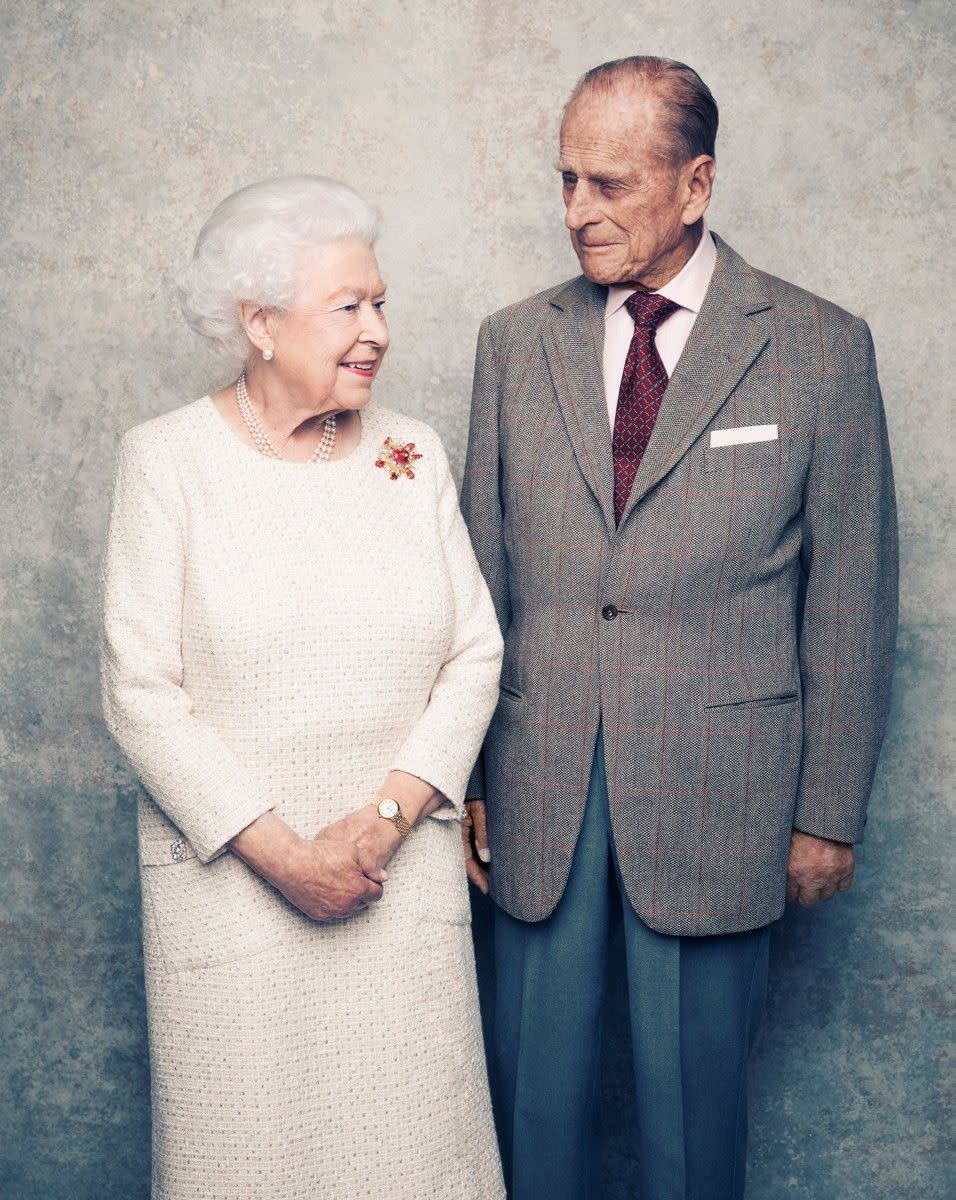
[(679, 490)]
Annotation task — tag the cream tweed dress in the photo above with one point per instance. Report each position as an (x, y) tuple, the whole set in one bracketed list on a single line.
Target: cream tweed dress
[(279, 636)]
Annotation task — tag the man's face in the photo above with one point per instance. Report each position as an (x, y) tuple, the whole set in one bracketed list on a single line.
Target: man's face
[(627, 208)]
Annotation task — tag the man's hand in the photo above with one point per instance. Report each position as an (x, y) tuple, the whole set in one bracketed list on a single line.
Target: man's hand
[(474, 835), (818, 868)]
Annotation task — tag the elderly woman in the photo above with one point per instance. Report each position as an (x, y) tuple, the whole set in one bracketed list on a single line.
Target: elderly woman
[(300, 661)]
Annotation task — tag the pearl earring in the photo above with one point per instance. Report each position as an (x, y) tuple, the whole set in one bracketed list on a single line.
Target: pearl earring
[(267, 353)]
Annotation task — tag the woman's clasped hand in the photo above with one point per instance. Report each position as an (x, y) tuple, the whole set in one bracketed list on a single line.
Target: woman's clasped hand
[(336, 873)]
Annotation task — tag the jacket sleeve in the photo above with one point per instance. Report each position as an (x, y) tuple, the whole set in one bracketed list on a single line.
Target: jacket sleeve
[(183, 763), (481, 501), (849, 561), (443, 745)]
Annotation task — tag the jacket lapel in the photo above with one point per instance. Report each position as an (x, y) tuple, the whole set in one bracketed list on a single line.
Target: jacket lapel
[(574, 347), (731, 329)]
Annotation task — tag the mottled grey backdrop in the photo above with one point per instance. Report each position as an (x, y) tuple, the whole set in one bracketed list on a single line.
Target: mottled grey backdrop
[(123, 123)]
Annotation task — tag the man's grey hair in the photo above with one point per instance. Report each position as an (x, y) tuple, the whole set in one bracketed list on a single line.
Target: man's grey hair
[(250, 246), (690, 110)]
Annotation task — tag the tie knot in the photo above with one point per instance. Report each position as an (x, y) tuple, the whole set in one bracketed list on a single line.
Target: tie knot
[(649, 310)]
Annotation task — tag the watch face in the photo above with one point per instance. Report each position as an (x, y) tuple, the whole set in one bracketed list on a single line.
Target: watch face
[(388, 809)]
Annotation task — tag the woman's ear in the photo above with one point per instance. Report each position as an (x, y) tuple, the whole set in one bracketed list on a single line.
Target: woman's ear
[(255, 321)]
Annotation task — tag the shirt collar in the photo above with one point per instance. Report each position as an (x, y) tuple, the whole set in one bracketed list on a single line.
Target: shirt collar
[(687, 288)]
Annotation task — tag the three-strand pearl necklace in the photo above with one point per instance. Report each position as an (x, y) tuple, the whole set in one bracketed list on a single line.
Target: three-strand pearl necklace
[(322, 452)]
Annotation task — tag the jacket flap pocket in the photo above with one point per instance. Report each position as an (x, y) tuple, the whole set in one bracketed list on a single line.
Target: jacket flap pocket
[(790, 697)]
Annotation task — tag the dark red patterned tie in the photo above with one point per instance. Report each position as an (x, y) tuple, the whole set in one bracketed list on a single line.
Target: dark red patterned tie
[(642, 386)]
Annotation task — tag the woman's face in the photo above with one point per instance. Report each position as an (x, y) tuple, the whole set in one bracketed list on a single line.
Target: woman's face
[(331, 343)]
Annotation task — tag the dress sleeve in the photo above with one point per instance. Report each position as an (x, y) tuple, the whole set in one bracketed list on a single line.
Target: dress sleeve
[(444, 743), (182, 762)]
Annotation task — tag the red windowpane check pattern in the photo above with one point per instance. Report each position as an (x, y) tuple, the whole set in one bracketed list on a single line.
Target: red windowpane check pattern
[(643, 384)]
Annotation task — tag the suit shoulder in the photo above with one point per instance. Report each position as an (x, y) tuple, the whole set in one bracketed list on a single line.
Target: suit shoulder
[(528, 311), (843, 340), (789, 298)]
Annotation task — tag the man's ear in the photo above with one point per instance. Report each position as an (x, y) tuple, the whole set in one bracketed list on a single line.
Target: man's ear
[(699, 184)]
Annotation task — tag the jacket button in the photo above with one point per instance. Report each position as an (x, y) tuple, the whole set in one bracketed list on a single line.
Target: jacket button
[(178, 851), (609, 612)]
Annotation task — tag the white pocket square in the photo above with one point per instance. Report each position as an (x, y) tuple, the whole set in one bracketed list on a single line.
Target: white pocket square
[(744, 433)]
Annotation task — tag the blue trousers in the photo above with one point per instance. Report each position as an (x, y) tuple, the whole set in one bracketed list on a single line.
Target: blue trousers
[(695, 1006)]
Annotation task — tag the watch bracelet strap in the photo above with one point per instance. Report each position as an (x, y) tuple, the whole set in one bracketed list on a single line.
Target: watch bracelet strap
[(400, 821)]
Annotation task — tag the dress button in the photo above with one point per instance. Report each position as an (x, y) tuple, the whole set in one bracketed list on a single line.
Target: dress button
[(609, 612)]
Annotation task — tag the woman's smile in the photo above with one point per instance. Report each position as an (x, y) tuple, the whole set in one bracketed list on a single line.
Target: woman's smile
[(364, 367)]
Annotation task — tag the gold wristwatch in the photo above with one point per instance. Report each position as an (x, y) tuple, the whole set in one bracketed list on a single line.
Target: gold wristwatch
[(390, 810)]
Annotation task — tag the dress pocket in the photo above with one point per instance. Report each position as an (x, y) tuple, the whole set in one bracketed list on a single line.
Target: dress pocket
[(198, 915), (427, 874)]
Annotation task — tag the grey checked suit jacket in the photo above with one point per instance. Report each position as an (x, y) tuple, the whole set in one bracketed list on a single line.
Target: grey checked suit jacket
[(743, 682)]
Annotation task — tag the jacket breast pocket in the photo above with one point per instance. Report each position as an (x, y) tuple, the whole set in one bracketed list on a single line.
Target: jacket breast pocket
[(748, 456)]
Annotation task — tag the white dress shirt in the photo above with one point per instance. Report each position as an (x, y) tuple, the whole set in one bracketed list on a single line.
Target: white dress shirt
[(687, 288)]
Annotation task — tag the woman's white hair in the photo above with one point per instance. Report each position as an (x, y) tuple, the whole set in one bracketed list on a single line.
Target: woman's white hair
[(250, 246)]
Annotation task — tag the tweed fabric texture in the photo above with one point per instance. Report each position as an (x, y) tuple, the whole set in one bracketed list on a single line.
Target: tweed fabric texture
[(744, 674), (279, 636), (643, 383)]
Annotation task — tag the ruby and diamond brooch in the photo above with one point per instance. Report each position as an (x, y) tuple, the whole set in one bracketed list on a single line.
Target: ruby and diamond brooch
[(397, 458)]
